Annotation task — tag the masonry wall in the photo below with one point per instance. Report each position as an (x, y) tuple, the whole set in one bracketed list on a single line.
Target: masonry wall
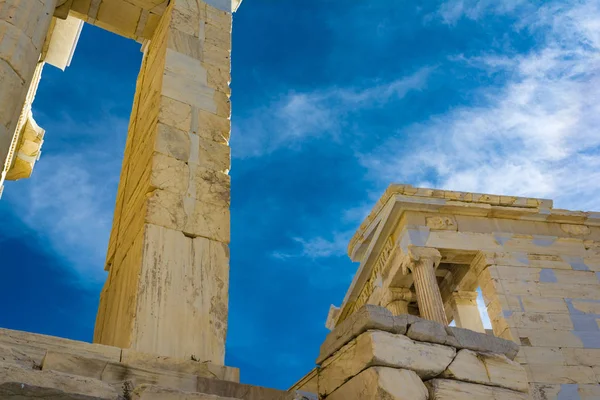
[(550, 304)]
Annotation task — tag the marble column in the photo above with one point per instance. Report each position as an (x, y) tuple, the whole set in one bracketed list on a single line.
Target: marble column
[(465, 311), (397, 300), (422, 263), (24, 25)]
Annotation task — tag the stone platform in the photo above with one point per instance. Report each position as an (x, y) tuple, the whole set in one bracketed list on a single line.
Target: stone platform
[(40, 366)]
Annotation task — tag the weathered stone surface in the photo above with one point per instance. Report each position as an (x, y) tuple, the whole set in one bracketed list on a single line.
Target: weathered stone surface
[(152, 392), (366, 318), (19, 383), (445, 389), (12, 355), (237, 390), (117, 373), (467, 339), (487, 369), (35, 346), (430, 331), (378, 348), (382, 383), (158, 363), (74, 365)]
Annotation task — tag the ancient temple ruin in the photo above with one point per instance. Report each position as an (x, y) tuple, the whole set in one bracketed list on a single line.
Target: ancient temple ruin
[(423, 253)]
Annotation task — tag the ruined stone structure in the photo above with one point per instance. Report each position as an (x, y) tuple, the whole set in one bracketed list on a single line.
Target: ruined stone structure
[(162, 319)]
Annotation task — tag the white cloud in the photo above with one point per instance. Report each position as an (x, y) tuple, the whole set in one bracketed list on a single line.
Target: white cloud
[(69, 199), (318, 247), (296, 117), (539, 135), (453, 10)]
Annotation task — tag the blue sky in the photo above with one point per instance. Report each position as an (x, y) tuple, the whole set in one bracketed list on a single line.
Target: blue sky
[(332, 101)]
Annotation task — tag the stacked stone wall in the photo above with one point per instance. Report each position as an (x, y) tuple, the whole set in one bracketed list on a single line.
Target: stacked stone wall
[(375, 355), (550, 305)]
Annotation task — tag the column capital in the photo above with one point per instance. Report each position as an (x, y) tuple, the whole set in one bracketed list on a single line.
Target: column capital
[(417, 255), (397, 294)]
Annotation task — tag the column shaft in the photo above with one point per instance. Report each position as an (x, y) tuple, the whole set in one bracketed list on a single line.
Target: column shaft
[(429, 297), (23, 28)]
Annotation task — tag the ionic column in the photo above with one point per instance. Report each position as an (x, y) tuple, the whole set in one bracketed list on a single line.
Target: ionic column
[(23, 28), (422, 262), (465, 310), (397, 299)]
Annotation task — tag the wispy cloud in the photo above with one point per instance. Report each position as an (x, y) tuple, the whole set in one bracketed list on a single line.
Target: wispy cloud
[(537, 135), (453, 10), (317, 247), (296, 117), (70, 197)]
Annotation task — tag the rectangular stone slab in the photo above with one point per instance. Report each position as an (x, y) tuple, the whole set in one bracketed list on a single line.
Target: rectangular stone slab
[(204, 369), (382, 383), (378, 348), (19, 383), (366, 318), (445, 389), (36, 345), (116, 373)]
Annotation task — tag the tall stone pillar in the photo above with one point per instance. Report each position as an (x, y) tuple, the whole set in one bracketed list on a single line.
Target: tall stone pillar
[(23, 28), (397, 300), (466, 312), (422, 263), (168, 256)]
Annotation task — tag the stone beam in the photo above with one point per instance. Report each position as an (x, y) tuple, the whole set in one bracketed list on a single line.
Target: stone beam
[(168, 256), (24, 26), (135, 19)]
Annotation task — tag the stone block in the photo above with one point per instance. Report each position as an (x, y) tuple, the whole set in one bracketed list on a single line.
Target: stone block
[(366, 318), (34, 345), (158, 363), (220, 58), (189, 91), (211, 186), (378, 348), (172, 142), (238, 390), (169, 174), (541, 338), (12, 355), (117, 373), (218, 78), (17, 50), (185, 67), (223, 104), (74, 364), (541, 321), (183, 287), (119, 17), (487, 369), (214, 155), (544, 305), (212, 127), (546, 355), (430, 331), (445, 389), (19, 383), (561, 374), (12, 87), (175, 113), (382, 383), (481, 342), (152, 392), (184, 43), (589, 357)]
